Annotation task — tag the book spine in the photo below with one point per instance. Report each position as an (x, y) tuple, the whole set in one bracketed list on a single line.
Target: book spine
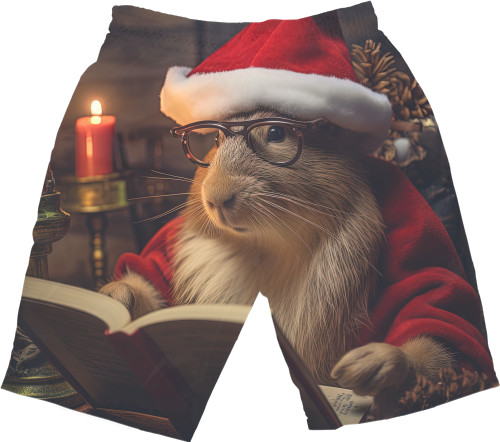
[(319, 412), (160, 379)]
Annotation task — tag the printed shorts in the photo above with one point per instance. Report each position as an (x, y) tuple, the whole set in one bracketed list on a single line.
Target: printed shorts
[(208, 162)]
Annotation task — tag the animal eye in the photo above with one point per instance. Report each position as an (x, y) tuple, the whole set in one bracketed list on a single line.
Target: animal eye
[(275, 134)]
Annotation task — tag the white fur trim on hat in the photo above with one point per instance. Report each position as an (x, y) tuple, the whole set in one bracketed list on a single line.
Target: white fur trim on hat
[(215, 96)]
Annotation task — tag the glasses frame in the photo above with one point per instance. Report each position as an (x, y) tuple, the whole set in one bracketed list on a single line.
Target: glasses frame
[(297, 126)]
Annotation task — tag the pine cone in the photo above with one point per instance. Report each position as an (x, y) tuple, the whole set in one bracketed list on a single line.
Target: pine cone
[(377, 72), (407, 98), (452, 384), (387, 151), (372, 69), (408, 101)]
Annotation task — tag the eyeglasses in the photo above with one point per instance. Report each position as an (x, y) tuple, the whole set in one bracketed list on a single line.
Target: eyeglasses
[(276, 140)]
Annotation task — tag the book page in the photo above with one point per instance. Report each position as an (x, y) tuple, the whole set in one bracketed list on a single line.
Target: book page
[(349, 407), (197, 350), (231, 313), (75, 342), (112, 312)]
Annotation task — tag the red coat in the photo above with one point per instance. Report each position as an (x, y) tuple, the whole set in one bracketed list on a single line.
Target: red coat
[(424, 290)]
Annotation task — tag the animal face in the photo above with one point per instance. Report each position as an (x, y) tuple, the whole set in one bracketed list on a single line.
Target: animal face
[(243, 195)]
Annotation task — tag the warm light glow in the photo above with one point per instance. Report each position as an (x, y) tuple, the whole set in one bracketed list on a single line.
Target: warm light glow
[(96, 108), (89, 146)]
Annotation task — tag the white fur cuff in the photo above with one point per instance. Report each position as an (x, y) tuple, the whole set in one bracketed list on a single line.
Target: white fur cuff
[(215, 96)]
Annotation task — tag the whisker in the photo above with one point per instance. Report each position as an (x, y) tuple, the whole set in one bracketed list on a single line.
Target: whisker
[(205, 226), (278, 232), (178, 207), (261, 226), (283, 197), (323, 230), (286, 225), (158, 196), (166, 178), (194, 211), (196, 214), (192, 180), (298, 216), (308, 205)]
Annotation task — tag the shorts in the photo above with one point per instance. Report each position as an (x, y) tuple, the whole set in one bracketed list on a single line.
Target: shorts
[(300, 159)]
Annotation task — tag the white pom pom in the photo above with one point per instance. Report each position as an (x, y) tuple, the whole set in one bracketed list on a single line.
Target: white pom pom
[(402, 147)]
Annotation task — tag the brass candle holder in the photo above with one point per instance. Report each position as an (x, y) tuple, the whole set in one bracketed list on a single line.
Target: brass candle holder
[(95, 196), (29, 373)]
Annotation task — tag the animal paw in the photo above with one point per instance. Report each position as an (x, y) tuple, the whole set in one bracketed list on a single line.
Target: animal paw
[(373, 368), (120, 291), (135, 293)]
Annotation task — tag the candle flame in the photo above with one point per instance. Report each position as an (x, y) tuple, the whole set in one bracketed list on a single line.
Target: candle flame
[(96, 108)]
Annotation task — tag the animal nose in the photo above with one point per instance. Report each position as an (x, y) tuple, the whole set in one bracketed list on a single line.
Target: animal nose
[(222, 201)]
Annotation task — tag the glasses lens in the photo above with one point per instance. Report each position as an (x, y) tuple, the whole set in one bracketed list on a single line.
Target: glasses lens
[(276, 143), (201, 143)]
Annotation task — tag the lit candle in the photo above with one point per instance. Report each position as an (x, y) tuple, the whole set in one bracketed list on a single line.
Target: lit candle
[(94, 143)]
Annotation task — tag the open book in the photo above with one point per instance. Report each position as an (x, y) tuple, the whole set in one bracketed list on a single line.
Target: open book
[(164, 364)]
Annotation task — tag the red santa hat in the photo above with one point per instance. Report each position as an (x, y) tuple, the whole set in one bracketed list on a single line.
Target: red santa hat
[(291, 66)]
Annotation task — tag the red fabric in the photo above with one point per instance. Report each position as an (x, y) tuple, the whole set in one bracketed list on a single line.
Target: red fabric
[(154, 261), (293, 45), (423, 290)]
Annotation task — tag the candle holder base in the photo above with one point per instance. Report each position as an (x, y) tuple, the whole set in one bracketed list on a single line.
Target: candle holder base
[(43, 382), (29, 373), (99, 193), (94, 196)]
